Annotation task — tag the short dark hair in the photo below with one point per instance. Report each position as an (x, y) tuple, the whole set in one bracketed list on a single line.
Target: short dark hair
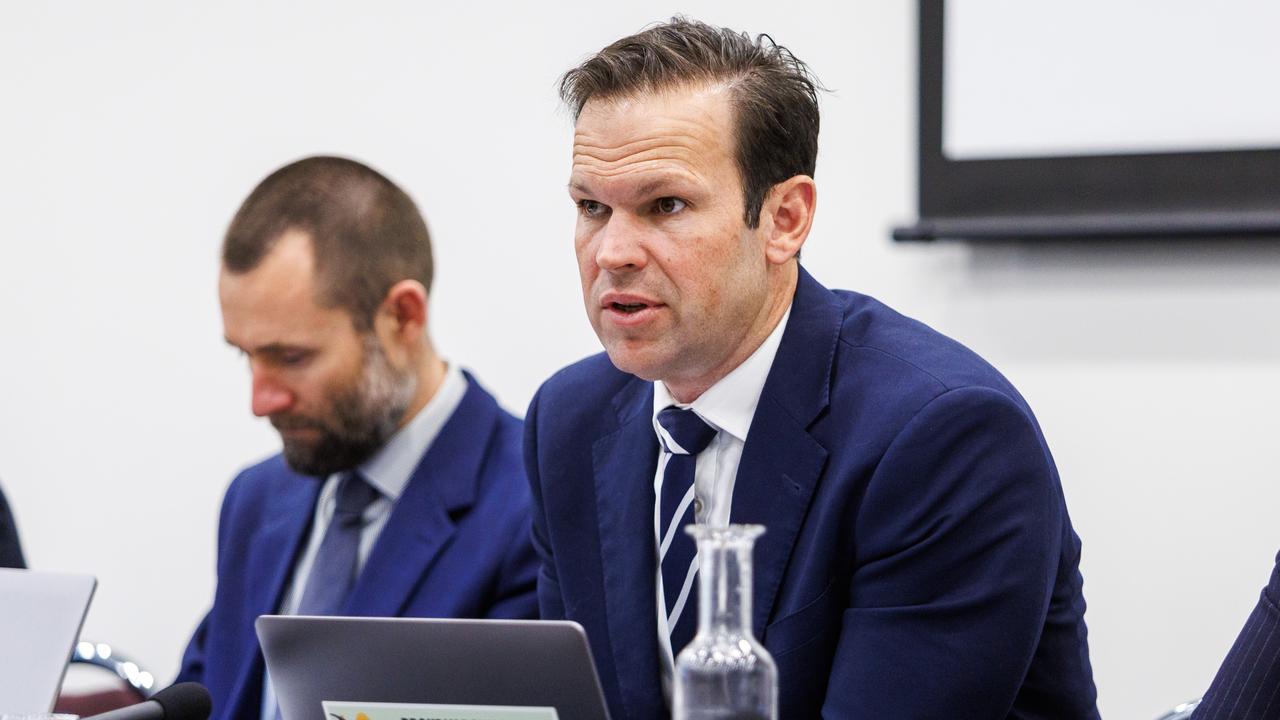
[(366, 233), (775, 95)]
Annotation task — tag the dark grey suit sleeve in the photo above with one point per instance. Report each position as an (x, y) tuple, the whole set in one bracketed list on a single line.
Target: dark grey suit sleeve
[(1248, 683), (10, 548)]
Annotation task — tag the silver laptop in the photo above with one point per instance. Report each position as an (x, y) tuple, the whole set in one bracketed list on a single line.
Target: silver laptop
[(523, 663), (40, 618)]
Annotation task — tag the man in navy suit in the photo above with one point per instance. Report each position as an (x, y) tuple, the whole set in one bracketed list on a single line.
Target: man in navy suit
[(918, 560), (400, 490), (1247, 686)]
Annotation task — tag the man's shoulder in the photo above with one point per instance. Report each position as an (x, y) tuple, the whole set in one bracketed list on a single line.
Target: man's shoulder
[(477, 401), (270, 468), (591, 379), (875, 338), (257, 492), (585, 390), (500, 438), (260, 479)]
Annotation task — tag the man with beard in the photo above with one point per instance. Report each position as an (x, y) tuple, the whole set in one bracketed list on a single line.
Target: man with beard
[(399, 491)]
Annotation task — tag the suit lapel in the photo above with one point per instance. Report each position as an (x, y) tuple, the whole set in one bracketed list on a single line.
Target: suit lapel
[(781, 462), (277, 543), (420, 525), (274, 549), (624, 463)]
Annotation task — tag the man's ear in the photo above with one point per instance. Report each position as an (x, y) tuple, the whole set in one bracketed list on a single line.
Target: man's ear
[(401, 320), (787, 215)]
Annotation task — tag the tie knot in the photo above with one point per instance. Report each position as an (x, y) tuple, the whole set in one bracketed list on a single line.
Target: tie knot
[(354, 495), (686, 429)]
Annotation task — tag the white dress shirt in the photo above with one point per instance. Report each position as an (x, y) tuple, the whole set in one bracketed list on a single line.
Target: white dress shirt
[(728, 406), (388, 471)]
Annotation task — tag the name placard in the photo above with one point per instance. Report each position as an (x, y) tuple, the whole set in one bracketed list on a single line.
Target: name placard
[(347, 710)]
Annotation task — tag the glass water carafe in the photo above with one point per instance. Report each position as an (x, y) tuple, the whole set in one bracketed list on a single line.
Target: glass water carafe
[(724, 673)]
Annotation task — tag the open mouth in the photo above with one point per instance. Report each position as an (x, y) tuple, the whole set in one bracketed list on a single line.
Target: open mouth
[(628, 308)]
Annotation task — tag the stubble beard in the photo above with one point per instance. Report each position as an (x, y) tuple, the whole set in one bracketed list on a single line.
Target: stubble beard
[(362, 418)]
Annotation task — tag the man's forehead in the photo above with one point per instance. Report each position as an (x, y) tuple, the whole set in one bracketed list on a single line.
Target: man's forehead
[(657, 135), (286, 273), (293, 323), (275, 302), (682, 107)]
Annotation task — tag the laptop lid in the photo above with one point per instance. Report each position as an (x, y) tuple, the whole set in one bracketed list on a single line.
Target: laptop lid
[(528, 663), (40, 618)]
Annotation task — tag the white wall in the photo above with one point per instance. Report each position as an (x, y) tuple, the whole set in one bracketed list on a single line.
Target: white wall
[(130, 131)]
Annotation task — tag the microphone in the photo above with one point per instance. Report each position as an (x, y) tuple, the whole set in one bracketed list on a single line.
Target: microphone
[(184, 701)]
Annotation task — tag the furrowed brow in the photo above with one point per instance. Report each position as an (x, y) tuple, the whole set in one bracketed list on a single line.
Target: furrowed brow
[(652, 187)]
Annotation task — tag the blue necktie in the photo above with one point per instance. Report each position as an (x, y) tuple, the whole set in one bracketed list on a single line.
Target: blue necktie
[(676, 550), (333, 572)]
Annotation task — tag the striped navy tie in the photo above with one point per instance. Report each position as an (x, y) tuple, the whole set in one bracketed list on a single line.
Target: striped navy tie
[(677, 552)]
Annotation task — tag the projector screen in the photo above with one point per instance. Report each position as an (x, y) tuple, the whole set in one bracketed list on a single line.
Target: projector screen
[(1098, 118), (1091, 77)]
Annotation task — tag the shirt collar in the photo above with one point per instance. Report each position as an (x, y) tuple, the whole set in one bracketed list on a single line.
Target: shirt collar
[(391, 467), (730, 404)]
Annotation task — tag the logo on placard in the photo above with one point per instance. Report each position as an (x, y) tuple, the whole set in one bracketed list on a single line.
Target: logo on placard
[(359, 716)]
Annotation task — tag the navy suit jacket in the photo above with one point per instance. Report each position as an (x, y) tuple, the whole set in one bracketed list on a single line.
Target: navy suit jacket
[(1247, 686), (918, 560), (455, 545)]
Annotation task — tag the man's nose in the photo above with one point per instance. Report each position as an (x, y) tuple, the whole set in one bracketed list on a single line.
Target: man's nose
[(621, 244), (269, 397)]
